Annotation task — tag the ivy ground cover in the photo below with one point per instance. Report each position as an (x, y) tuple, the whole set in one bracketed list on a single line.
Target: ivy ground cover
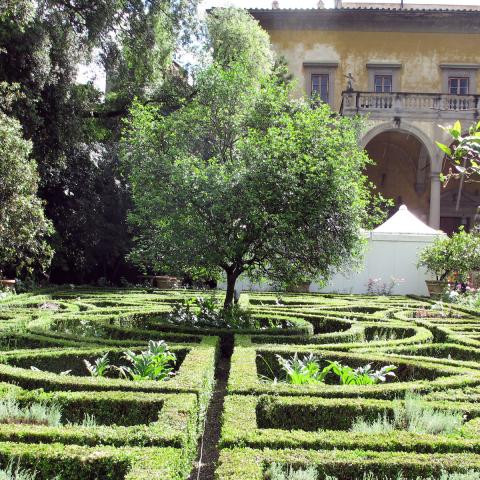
[(344, 417)]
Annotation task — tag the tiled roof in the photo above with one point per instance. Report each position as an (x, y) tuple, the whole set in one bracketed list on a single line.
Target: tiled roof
[(472, 8)]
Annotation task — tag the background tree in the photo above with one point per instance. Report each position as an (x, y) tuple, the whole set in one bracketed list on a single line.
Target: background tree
[(235, 36), (243, 179), (74, 130), (23, 227)]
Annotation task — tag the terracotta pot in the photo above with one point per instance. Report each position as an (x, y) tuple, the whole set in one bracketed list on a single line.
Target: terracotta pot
[(10, 284), (436, 287), (302, 287), (165, 282)]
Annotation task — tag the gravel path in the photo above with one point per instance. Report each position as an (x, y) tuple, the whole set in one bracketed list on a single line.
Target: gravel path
[(208, 454)]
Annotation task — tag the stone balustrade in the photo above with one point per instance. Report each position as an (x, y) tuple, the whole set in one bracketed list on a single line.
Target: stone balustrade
[(421, 105)]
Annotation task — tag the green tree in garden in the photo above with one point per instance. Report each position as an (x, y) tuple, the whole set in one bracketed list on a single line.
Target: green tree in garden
[(454, 256), (23, 227), (245, 180)]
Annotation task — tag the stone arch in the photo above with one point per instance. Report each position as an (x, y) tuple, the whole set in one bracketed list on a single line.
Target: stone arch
[(406, 128), (403, 165)]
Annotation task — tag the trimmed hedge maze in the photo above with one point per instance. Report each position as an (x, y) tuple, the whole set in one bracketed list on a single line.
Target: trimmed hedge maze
[(138, 429), (422, 422), (299, 427)]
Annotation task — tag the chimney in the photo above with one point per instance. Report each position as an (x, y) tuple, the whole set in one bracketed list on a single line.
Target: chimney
[(275, 5), (338, 4)]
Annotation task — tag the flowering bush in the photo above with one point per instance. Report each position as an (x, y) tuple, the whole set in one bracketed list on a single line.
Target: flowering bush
[(465, 295), (375, 286)]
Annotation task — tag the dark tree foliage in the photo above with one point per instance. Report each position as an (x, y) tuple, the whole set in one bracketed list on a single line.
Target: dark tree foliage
[(23, 226), (73, 130)]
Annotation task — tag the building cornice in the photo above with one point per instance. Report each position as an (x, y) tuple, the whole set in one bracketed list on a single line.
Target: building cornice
[(370, 19)]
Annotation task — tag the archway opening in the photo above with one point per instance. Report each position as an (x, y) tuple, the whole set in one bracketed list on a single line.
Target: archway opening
[(401, 170)]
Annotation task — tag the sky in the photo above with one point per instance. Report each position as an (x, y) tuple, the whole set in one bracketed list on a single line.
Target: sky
[(93, 73)]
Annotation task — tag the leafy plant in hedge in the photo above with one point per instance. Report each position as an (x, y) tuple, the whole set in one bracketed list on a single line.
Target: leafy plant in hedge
[(361, 375), (452, 256), (306, 370), (100, 367), (201, 312), (302, 371), (155, 363)]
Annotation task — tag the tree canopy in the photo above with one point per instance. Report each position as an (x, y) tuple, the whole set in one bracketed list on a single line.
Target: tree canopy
[(23, 226), (244, 179), (234, 36), (73, 129)]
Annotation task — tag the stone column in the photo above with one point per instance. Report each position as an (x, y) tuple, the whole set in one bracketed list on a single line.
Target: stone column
[(434, 217)]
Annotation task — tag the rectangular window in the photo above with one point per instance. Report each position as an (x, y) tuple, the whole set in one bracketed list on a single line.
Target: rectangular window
[(458, 85), (320, 87), (383, 83)]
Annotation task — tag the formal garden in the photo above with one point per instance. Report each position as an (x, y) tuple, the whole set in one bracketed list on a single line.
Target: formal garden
[(123, 210), (120, 384)]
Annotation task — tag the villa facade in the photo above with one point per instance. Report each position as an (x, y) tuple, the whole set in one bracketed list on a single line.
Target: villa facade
[(408, 70)]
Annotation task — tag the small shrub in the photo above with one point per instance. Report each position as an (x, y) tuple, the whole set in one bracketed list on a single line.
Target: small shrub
[(35, 414), (415, 416), (452, 256), (64, 373), (89, 420), (281, 472), (375, 286), (382, 424), (16, 473), (384, 335)]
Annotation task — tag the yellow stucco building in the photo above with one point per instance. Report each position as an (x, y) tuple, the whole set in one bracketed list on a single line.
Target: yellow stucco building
[(408, 70)]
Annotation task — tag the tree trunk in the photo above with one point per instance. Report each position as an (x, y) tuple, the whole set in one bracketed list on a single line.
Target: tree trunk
[(231, 279)]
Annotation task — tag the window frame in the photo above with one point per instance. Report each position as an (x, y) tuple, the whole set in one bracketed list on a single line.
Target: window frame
[(458, 80), (321, 76), (459, 71), (384, 69), (383, 77), (321, 68)]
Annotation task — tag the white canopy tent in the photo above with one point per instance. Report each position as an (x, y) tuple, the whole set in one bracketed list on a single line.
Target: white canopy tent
[(390, 259)]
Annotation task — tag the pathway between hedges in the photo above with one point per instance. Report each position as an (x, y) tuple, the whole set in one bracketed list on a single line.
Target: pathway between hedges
[(208, 453)]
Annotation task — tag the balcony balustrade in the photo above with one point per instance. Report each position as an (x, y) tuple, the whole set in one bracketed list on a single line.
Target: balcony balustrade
[(415, 105)]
